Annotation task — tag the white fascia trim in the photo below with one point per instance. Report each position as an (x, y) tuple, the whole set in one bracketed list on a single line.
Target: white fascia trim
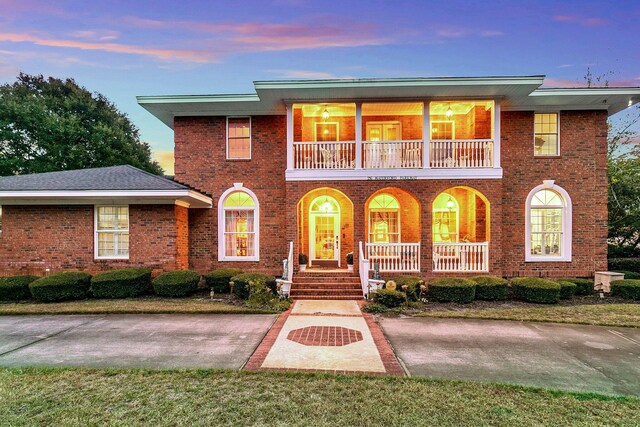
[(584, 91), (392, 174), (567, 220), (190, 99), (105, 193)]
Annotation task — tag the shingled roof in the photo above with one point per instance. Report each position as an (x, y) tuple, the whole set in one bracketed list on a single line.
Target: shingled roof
[(108, 178)]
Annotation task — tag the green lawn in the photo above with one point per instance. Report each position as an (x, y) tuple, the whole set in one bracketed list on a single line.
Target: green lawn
[(87, 397), (603, 315), (124, 306)]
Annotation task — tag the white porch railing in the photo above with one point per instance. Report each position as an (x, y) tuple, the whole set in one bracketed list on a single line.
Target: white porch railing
[(394, 257), (392, 154), (324, 155), (461, 257), (472, 153)]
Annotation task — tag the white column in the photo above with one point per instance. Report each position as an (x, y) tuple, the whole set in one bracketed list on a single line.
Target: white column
[(358, 135), (289, 137), (496, 135), (426, 135)]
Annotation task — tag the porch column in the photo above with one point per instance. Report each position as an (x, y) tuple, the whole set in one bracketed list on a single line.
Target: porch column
[(496, 135), (358, 135), (289, 136), (426, 135)]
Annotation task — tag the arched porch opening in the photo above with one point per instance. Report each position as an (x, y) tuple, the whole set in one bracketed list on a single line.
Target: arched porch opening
[(325, 227), (460, 225)]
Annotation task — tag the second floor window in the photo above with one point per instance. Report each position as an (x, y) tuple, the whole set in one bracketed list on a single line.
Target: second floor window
[(545, 139), (238, 138)]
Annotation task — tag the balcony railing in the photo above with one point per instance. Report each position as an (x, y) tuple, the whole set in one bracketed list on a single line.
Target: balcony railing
[(394, 257), (324, 155), (392, 154), (461, 257), (472, 153)]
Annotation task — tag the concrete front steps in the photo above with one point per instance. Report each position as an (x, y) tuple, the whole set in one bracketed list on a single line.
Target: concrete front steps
[(326, 285)]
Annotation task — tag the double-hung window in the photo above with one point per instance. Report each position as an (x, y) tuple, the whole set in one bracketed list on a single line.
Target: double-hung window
[(239, 138), (546, 137), (112, 232)]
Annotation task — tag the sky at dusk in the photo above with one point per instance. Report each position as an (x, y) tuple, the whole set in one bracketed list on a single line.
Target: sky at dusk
[(127, 48)]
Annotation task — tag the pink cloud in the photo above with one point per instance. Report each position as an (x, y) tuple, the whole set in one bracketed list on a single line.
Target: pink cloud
[(565, 18), (163, 54), (591, 22), (96, 35)]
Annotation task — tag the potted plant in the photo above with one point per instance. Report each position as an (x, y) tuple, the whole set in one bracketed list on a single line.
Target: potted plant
[(303, 259), (350, 261)]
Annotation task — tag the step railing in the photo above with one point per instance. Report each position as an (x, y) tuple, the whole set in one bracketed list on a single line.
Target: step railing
[(471, 153), (287, 273), (402, 154), (394, 257), (461, 257), (363, 270), (324, 155)]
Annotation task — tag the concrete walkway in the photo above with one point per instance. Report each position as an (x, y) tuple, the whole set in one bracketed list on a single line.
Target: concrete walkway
[(318, 335), (570, 357), (132, 340)]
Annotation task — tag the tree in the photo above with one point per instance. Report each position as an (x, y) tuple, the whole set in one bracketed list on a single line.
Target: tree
[(52, 124)]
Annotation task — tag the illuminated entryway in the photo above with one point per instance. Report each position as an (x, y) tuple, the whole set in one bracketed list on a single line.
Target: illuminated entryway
[(325, 227), (460, 230)]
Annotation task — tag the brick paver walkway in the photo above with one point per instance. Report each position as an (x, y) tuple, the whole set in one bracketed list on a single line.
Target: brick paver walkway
[(333, 336)]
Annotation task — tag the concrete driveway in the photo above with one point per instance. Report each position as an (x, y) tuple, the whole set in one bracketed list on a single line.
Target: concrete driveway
[(571, 357), (128, 340)]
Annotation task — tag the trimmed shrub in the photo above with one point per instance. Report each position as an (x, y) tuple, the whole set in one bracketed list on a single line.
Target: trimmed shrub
[(567, 289), (374, 308), (413, 285), (632, 275), (628, 289), (453, 289), (178, 283), (626, 264), (490, 288), (583, 286), (536, 289), (219, 279), (244, 283), (388, 298), (123, 283), (61, 286), (15, 288)]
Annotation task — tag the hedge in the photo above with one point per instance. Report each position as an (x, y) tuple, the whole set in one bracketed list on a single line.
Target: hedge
[(583, 286), (61, 286), (535, 289), (176, 283), (490, 288), (244, 282), (628, 289), (123, 283), (388, 298), (567, 289), (630, 274), (625, 264), (219, 279), (453, 290), (413, 285), (15, 288)]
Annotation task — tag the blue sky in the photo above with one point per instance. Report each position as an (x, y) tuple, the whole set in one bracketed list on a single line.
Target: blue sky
[(128, 48)]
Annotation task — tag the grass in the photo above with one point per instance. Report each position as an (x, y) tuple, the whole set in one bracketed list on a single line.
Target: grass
[(92, 397), (129, 306), (602, 315)]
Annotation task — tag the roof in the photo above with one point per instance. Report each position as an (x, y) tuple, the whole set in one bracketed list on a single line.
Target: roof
[(271, 97), (109, 178), (115, 184)]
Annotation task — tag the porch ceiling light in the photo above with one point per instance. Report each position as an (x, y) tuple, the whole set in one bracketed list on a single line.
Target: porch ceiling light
[(449, 112), (450, 204), (325, 114)]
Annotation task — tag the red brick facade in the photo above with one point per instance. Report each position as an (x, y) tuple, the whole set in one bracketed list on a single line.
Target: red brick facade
[(168, 237)]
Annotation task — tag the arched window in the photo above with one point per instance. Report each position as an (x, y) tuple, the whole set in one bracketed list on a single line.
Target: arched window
[(238, 225), (384, 219), (548, 224)]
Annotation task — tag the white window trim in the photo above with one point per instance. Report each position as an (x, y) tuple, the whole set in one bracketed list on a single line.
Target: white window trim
[(567, 216), (237, 186), (250, 138), (95, 232), (557, 113)]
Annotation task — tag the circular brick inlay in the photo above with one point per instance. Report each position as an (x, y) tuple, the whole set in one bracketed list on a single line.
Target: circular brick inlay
[(324, 336)]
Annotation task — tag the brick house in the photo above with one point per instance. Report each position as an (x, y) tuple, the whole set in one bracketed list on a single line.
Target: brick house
[(432, 176)]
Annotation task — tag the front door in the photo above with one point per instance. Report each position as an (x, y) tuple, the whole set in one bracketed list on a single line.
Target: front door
[(324, 231)]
